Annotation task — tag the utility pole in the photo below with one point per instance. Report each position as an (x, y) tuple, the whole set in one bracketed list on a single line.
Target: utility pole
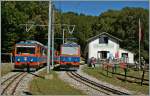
[(49, 37), (0, 40)]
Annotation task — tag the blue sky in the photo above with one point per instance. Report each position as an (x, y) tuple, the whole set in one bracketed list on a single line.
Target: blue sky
[(97, 7)]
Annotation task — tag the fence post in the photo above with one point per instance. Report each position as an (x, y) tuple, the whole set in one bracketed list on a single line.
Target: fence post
[(125, 70), (107, 70), (142, 79), (102, 66), (11, 57), (113, 67)]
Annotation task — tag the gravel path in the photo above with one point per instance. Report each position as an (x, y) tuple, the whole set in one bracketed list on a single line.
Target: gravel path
[(23, 88), (87, 90), (3, 78)]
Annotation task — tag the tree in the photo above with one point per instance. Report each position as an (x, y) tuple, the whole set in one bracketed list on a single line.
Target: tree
[(120, 23)]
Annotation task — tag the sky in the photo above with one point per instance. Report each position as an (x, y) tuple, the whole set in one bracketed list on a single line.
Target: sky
[(95, 8)]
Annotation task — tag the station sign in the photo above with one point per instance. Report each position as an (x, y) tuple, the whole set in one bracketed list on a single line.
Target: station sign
[(103, 45)]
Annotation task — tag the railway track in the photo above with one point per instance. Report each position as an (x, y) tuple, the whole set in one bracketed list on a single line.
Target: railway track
[(10, 84), (94, 85), (9, 78)]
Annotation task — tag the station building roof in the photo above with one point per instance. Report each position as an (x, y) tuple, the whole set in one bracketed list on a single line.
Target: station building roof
[(103, 33)]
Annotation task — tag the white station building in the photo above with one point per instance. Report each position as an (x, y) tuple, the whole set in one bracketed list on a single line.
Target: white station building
[(105, 46)]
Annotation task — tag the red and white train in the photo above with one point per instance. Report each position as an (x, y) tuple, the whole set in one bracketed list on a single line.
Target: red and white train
[(70, 55), (31, 55)]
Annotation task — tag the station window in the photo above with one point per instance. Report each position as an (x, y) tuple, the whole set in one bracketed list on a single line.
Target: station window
[(103, 40), (106, 40)]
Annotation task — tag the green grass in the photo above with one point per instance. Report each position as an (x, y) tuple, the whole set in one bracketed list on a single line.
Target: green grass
[(54, 86), (6, 68), (131, 72), (102, 75)]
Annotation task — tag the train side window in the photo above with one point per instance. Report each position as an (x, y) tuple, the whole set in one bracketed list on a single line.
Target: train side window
[(45, 51), (38, 50), (41, 51)]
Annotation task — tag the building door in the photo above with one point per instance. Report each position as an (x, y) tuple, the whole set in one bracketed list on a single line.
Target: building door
[(102, 54), (124, 55)]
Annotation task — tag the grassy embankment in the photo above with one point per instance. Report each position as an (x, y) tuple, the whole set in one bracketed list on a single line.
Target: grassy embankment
[(112, 78), (53, 86), (6, 68)]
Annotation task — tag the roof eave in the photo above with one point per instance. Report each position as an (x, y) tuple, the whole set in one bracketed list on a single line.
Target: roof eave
[(90, 39)]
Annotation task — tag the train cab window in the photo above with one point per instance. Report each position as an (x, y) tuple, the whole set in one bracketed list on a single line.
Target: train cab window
[(25, 50)]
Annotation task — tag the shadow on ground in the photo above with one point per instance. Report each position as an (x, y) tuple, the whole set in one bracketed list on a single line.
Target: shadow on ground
[(27, 93), (58, 68), (132, 81), (27, 70), (36, 75), (105, 74)]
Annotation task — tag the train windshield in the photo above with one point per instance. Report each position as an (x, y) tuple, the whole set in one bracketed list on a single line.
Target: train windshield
[(26, 50), (70, 50)]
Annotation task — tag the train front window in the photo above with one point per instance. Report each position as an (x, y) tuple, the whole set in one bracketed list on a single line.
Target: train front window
[(26, 50), (70, 50)]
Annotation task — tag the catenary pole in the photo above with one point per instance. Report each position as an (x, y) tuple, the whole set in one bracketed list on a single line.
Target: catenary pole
[(139, 43), (49, 38), (63, 35), (0, 36), (53, 20)]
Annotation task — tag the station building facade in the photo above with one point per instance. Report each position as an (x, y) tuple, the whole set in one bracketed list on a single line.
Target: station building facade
[(105, 46)]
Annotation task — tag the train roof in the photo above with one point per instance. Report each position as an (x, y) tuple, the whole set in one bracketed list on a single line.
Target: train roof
[(28, 42), (70, 44)]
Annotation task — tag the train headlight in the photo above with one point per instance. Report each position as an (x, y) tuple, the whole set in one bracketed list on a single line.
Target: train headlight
[(25, 58), (64, 59), (18, 60), (31, 60)]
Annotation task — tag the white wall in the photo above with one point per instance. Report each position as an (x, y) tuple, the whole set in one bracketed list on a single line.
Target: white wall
[(130, 55), (112, 47), (94, 47)]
